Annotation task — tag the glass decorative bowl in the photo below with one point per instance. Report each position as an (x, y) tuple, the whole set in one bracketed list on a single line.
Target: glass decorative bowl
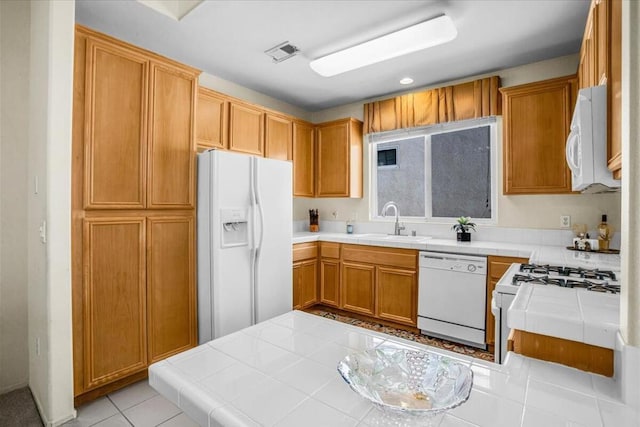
[(407, 382)]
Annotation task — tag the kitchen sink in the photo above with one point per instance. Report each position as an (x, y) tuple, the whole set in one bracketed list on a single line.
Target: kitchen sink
[(394, 238)]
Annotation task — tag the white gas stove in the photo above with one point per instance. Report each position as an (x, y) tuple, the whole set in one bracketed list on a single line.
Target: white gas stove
[(585, 279)]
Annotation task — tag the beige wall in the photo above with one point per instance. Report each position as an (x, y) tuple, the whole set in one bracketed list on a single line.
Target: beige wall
[(630, 296), (14, 138), (51, 80), (232, 89), (513, 211)]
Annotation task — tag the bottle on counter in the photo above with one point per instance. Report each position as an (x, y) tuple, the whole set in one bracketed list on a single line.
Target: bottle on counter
[(604, 234)]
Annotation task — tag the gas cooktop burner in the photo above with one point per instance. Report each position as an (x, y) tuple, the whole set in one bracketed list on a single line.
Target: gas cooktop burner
[(589, 285), (568, 271)]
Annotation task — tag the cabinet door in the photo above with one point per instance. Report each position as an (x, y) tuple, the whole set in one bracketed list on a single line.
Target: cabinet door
[(308, 283), (536, 123), (278, 137), (303, 160), (114, 309), (246, 128), (211, 119), (358, 288), (330, 282), (333, 160), (587, 65), (297, 281), (115, 134), (171, 288), (614, 91), (397, 295), (171, 138), (601, 45)]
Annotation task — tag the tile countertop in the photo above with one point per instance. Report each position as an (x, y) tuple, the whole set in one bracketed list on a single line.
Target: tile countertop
[(540, 254), (282, 372), (568, 313)]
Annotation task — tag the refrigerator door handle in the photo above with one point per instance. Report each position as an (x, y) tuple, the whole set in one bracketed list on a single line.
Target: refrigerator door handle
[(254, 251), (258, 245)]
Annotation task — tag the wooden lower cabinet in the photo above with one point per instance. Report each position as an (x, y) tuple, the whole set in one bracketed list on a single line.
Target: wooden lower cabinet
[(305, 283), (375, 282), (397, 295), (578, 355), (171, 290), (113, 315), (330, 282), (358, 288), (497, 266), (380, 282)]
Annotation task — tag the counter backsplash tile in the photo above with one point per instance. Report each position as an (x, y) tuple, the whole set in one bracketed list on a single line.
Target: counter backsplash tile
[(443, 231)]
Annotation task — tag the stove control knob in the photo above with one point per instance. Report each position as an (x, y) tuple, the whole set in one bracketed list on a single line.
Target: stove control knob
[(471, 268)]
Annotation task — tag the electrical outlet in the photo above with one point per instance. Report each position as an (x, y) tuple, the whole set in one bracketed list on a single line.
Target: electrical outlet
[(335, 214), (565, 221)]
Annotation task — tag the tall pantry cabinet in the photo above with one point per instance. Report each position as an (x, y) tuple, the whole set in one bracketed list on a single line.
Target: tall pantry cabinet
[(133, 218)]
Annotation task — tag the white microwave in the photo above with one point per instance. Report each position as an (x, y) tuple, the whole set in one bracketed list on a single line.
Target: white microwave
[(587, 143)]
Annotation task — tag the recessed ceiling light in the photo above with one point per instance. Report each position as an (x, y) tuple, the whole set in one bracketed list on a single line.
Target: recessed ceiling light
[(411, 39), (406, 81)]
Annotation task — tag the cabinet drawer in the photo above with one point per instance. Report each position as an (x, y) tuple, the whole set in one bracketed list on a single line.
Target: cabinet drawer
[(329, 250), (404, 258), (302, 251)]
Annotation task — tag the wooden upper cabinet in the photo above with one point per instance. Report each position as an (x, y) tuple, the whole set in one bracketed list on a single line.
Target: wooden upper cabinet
[(246, 128), (614, 89), (588, 57), (339, 159), (212, 119), (600, 11), (115, 134), (536, 124), (114, 309), (171, 298), (171, 138), (278, 142), (303, 160)]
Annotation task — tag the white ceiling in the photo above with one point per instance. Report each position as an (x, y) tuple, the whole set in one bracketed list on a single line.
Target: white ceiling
[(228, 38)]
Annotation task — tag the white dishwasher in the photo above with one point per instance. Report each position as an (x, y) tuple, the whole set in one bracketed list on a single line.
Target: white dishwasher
[(452, 297)]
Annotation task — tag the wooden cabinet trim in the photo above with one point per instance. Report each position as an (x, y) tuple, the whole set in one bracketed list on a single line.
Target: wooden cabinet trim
[(92, 34)]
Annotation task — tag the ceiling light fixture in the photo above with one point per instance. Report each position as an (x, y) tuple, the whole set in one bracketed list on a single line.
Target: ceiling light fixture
[(406, 81), (411, 39)]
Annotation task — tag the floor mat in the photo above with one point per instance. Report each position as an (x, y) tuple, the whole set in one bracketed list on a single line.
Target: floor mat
[(422, 339)]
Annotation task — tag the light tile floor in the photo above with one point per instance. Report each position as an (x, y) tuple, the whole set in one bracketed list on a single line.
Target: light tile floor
[(137, 405)]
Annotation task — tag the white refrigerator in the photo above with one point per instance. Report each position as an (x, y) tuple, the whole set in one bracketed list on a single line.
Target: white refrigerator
[(244, 227)]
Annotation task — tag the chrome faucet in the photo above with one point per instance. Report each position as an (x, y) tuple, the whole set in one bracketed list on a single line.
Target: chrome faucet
[(393, 205)]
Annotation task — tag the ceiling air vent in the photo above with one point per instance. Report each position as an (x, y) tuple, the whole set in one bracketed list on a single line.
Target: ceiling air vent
[(282, 51)]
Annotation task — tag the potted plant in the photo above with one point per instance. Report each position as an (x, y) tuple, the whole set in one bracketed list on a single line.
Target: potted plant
[(462, 229)]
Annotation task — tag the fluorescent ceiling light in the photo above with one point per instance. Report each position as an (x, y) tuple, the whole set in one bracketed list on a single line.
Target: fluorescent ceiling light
[(411, 39)]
